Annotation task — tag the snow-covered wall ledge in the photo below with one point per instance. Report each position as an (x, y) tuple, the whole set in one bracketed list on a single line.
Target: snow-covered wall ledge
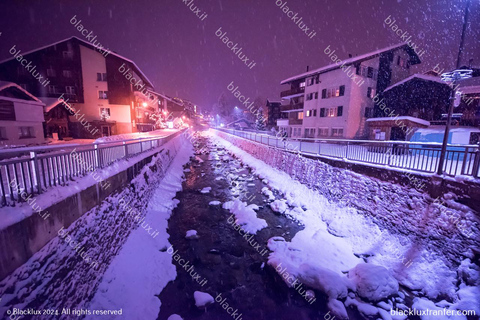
[(25, 231), (443, 225)]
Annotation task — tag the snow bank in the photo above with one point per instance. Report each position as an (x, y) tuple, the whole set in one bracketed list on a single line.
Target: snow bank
[(351, 236), (372, 282)]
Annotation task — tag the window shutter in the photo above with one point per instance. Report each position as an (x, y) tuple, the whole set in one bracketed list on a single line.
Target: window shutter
[(340, 111), (342, 90), (324, 93), (322, 112)]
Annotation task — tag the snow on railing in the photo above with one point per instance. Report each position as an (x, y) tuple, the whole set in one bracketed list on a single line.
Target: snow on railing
[(25, 174), (416, 156)]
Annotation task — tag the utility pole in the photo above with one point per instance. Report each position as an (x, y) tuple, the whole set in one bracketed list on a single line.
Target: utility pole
[(452, 95)]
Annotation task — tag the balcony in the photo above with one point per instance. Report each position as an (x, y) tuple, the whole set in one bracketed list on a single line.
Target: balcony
[(282, 122), (292, 121), (290, 107), (294, 92)]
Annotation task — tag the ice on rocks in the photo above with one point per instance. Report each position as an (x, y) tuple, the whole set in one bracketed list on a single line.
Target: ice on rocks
[(191, 235), (206, 190), (202, 299), (279, 206), (245, 216), (214, 203)]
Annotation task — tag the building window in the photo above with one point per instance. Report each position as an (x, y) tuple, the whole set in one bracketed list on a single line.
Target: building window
[(7, 110), (3, 133), (67, 73), (309, 96), (103, 95), (101, 76), (52, 89), (68, 54), (322, 112), (70, 90), (340, 111), (314, 112), (337, 132), (370, 92), (308, 113), (333, 92), (26, 132), (316, 95), (105, 113), (51, 72), (368, 112), (331, 112), (300, 115), (302, 85), (322, 132), (309, 132)]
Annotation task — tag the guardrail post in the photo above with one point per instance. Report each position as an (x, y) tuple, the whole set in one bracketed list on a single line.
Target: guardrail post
[(319, 146), (35, 171), (476, 164), (97, 156), (141, 146), (300, 147), (125, 147), (268, 140)]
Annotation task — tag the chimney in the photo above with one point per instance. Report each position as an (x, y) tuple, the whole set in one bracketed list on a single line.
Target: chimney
[(349, 55), (308, 67)]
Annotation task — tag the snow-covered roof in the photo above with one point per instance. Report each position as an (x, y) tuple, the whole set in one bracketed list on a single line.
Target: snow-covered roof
[(350, 61), (159, 94), (88, 44), (5, 84), (417, 76), (51, 103), (293, 110), (412, 119)]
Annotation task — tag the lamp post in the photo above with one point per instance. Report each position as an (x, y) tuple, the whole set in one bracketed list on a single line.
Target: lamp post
[(453, 76)]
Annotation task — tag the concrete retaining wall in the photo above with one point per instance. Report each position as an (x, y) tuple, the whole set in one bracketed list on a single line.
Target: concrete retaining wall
[(450, 226), (22, 240)]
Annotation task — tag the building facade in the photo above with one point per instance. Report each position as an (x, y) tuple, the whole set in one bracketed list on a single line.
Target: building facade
[(99, 86), (336, 100), (21, 116)]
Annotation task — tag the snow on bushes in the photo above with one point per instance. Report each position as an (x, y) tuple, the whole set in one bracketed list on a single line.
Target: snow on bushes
[(279, 206)]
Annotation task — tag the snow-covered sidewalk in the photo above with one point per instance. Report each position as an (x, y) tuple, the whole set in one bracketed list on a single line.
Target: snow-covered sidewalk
[(356, 264)]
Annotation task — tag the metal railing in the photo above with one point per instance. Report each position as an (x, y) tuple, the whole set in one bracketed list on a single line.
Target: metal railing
[(27, 173), (415, 156)]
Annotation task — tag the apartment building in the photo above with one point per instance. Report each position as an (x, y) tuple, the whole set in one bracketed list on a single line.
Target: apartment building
[(21, 116), (99, 87), (334, 101)]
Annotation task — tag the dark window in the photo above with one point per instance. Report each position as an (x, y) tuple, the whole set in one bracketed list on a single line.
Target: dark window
[(315, 112), (368, 112), (370, 72), (3, 133), (398, 60), (340, 111), (7, 110), (369, 92), (324, 93), (342, 90), (316, 95), (26, 132), (322, 112)]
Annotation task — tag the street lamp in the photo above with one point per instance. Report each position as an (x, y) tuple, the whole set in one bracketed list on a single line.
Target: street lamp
[(456, 75)]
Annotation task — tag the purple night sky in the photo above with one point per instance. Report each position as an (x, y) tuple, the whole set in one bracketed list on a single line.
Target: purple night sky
[(183, 57)]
